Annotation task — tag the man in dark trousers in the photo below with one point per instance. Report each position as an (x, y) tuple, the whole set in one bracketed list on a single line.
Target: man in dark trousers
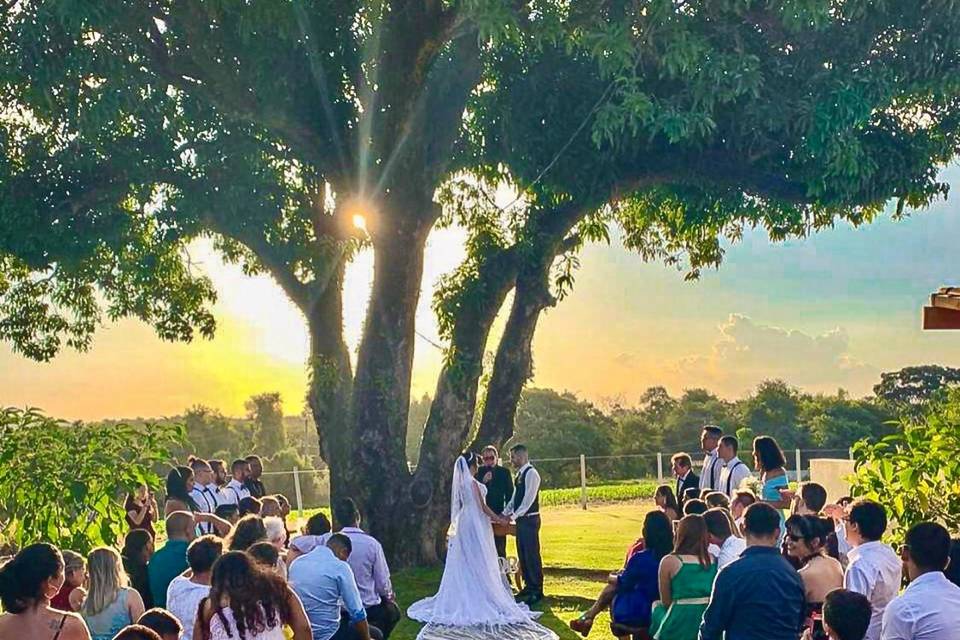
[(524, 508), (499, 489), (687, 480)]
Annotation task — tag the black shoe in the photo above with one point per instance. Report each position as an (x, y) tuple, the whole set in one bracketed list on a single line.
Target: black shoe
[(523, 593), (534, 598)]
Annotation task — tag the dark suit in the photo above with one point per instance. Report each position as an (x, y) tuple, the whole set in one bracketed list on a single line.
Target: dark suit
[(499, 491), (692, 481)]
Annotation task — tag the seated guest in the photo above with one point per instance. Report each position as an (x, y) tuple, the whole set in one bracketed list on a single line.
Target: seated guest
[(71, 594), (846, 615), (694, 507), (249, 529), (667, 502), (682, 467), (277, 536), (137, 632), (685, 577), (185, 593), (170, 560), (27, 582), (806, 541), (163, 623), (250, 505), (228, 512), (110, 604), (266, 556), (255, 603), (631, 593), (317, 526), (810, 500), (136, 553), (729, 547), (875, 570), (953, 568), (324, 582), (738, 504), (180, 482), (929, 609), (759, 595), (270, 507), (236, 490), (714, 500)]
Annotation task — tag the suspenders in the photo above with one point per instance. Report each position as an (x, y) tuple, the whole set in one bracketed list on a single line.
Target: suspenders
[(730, 475)]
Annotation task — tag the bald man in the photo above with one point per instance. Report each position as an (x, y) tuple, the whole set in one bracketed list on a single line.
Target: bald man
[(170, 560)]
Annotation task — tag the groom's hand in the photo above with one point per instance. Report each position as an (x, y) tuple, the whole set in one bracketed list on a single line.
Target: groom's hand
[(488, 476)]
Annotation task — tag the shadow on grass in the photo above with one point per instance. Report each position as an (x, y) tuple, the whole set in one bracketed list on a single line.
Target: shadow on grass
[(593, 575)]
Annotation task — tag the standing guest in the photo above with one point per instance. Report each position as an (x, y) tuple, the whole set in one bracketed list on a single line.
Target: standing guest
[(734, 471), (685, 577), (929, 609), (720, 532), (630, 593), (229, 513), (253, 482), (136, 554), (324, 582), (163, 623), (667, 502), (236, 490), (250, 505), (71, 594), (846, 615), (248, 603), (27, 583), (111, 604), (687, 480), (712, 465), (249, 529), (805, 543), (759, 596), (738, 505), (875, 569), (179, 485), (769, 460), (185, 593), (141, 509), (524, 508), (137, 632), (203, 496), (499, 489), (170, 560)]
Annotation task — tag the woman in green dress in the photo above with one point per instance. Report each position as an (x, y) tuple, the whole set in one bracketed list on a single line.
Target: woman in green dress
[(686, 579)]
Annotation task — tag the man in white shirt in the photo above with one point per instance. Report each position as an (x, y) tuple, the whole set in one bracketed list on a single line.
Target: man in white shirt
[(712, 465), (875, 569), (205, 498), (929, 609), (524, 508), (184, 594), (734, 470), (235, 490), (728, 546)]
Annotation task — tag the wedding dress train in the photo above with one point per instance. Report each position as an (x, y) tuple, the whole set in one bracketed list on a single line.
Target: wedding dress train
[(473, 602)]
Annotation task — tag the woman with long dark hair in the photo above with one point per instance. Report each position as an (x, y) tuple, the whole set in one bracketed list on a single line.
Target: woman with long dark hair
[(686, 580), (807, 543), (179, 486), (136, 553), (667, 501), (248, 603), (248, 530), (769, 460), (27, 583)]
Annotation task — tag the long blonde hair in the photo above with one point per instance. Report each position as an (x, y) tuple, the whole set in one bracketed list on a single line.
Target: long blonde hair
[(107, 578)]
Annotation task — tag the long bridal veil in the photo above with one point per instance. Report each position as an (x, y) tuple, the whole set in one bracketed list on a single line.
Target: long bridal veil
[(474, 602)]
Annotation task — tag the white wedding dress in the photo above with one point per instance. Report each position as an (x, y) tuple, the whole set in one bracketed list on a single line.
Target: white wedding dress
[(474, 602)]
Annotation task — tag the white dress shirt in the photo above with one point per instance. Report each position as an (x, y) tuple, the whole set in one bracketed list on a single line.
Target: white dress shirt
[(710, 475), (731, 475), (730, 550), (531, 484), (929, 609), (875, 571), (369, 565), (234, 492), (206, 503)]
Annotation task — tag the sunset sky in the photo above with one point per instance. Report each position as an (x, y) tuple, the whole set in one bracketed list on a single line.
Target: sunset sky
[(823, 313)]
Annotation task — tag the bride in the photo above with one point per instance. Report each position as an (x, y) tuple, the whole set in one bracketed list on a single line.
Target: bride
[(474, 601)]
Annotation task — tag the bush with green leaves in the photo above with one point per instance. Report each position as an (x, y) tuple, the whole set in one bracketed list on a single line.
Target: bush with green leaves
[(915, 474), (65, 483)]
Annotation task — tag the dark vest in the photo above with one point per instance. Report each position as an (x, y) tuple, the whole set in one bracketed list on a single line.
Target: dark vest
[(520, 489)]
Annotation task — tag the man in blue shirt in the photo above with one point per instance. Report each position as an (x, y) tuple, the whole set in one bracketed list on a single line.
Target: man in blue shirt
[(324, 580), (758, 596), (170, 560)]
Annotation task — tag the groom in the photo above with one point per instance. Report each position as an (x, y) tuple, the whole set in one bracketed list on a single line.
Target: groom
[(524, 507)]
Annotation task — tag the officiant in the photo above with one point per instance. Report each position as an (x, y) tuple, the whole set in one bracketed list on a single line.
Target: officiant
[(499, 489), (524, 508)]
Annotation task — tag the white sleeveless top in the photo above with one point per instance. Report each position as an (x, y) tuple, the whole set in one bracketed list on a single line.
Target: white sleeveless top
[(217, 632)]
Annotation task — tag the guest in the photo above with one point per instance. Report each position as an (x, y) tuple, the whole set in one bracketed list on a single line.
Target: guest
[(694, 507), (667, 502), (266, 556), (810, 499), (137, 552), (71, 594), (250, 505), (846, 615), (229, 513), (253, 483), (313, 536), (203, 495), (27, 583), (741, 500), (185, 593), (277, 536), (717, 500), (838, 511), (111, 603), (712, 464), (720, 532), (170, 560), (179, 485), (236, 490), (759, 596), (734, 470), (685, 578), (682, 467), (769, 460), (141, 509), (499, 489), (270, 508), (630, 594), (163, 623), (137, 632), (324, 581), (248, 530), (255, 603), (875, 569), (929, 609), (806, 542), (285, 510), (953, 568)]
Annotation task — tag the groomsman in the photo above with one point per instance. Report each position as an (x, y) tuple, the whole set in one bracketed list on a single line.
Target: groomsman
[(499, 489), (524, 507), (206, 499), (687, 480), (712, 464), (734, 469)]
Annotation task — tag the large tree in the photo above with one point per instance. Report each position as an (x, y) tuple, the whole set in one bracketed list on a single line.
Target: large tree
[(131, 128)]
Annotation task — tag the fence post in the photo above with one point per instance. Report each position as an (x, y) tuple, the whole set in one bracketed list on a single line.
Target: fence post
[(850, 451), (660, 467), (799, 472), (296, 487), (583, 481)]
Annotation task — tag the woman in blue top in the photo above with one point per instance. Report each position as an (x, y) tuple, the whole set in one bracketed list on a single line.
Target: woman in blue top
[(631, 593), (110, 604), (769, 460)]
